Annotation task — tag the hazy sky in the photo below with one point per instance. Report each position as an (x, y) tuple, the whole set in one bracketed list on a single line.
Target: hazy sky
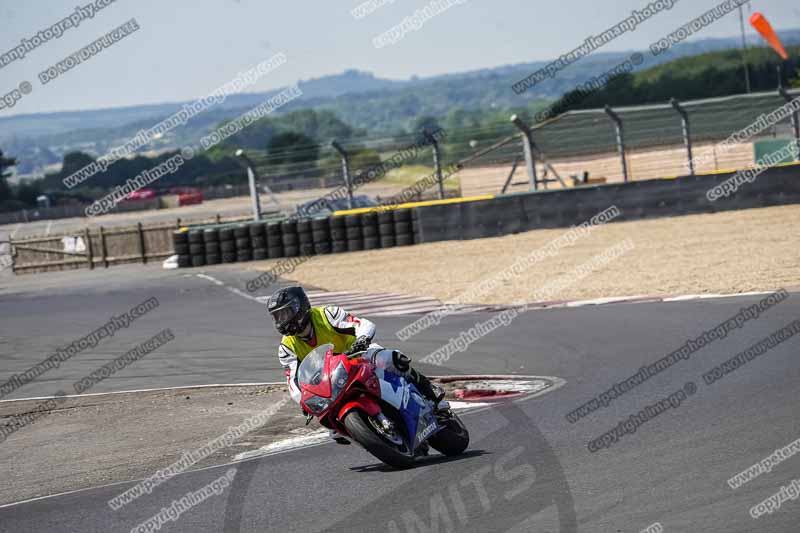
[(186, 48)]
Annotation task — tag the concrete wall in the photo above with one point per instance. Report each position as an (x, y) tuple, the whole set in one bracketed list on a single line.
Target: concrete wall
[(640, 199)]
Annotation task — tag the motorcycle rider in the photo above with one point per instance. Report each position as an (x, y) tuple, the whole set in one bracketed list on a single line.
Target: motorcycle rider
[(304, 328)]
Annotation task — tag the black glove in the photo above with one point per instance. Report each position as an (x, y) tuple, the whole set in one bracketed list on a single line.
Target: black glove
[(359, 345)]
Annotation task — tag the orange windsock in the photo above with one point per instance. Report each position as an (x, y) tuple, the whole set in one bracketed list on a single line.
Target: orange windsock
[(760, 23)]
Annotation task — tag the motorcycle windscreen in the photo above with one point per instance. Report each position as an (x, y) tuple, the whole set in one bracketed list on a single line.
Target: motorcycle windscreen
[(313, 365)]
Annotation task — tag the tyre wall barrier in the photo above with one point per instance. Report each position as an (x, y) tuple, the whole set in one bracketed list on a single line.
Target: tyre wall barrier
[(253, 241), (519, 212)]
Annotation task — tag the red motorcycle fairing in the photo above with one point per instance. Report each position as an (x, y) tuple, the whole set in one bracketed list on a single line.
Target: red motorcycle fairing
[(361, 391), (366, 403), (359, 372)]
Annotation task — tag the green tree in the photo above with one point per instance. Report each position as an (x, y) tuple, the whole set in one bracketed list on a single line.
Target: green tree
[(292, 147), (28, 191), (364, 159), (74, 161), (5, 191)]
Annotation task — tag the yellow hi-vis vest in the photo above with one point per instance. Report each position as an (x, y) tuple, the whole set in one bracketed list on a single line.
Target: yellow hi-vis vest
[(324, 334)]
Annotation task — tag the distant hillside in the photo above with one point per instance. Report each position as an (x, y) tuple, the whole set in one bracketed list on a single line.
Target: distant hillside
[(708, 75), (360, 99)]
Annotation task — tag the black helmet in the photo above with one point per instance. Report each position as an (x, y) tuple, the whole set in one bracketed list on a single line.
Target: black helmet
[(290, 309)]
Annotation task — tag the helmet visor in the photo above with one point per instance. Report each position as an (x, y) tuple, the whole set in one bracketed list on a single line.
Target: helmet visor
[(284, 315)]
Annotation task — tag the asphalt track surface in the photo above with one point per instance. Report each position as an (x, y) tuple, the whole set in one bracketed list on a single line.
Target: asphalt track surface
[(527, 469)]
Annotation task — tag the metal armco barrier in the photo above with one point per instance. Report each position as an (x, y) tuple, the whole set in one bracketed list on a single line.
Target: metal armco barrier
[(515, 213)]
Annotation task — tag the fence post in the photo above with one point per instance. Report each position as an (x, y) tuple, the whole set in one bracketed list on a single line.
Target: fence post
[(687, 136), (103, 250), (510, 175), (11, 254), (620, 140), (437, 160), (345, 171), (527, 145), (255, 200), (141, 243), (795, 121), (89, 255)]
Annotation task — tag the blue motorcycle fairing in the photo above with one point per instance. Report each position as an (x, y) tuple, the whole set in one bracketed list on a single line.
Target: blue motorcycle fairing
[(417, 412)]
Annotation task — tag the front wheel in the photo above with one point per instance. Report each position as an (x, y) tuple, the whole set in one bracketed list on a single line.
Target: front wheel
[(453, 439), (389, 448)]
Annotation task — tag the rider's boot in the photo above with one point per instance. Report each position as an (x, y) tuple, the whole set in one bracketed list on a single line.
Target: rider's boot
[(338, 437), (432, 392)]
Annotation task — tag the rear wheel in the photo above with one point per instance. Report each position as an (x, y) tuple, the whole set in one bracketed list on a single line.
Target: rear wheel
[(453, 439), (387, 444)]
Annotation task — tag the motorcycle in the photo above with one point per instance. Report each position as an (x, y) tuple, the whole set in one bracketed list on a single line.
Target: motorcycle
[(378, 409)]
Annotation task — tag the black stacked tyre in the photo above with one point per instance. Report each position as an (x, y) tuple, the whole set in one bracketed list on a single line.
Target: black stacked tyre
[(227, 245), (274, 240), (258, 240), (244, 247), (180, 244), (354, 232), (403, 230), (305, 237), (197, 248), (321, 234), (291, 246), (369, 226), (386, 229), (338, 235), (211, 240)]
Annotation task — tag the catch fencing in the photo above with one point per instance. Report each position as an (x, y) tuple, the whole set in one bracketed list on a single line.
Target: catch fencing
[(608, 145)]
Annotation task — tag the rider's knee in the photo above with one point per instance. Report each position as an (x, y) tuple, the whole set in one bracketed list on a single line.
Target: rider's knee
[(401, 361)]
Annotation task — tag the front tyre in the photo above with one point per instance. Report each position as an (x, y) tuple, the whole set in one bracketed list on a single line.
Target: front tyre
[(453, 439), (364, 430)]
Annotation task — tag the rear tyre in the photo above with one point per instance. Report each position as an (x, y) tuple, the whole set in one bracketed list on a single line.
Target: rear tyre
[(453, 439), (363, 433)]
